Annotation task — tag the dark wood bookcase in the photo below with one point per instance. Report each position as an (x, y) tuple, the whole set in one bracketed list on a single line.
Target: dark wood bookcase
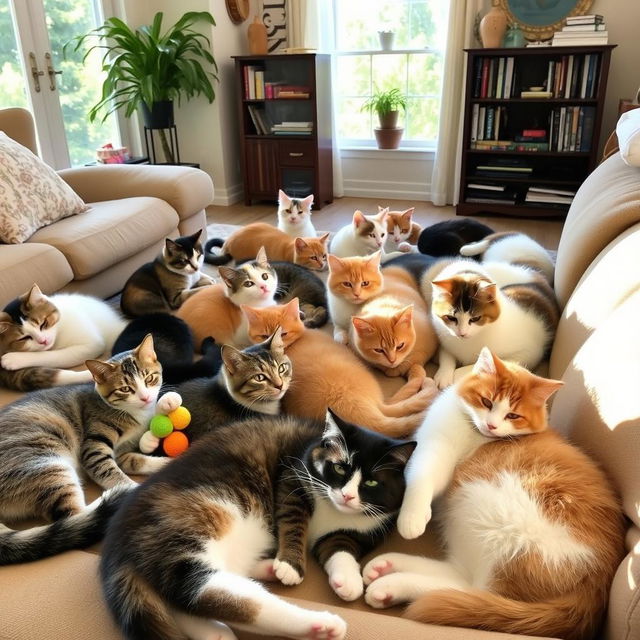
[(571, 119), (299, 162)]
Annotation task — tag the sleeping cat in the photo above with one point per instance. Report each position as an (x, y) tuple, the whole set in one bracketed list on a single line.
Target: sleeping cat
[(393, 331), (328, 375), (48, 436), (402, 233), (251, 498), (215, 311), (362, 237), (294, 216), (244, 243), (446, 238), (352, 281), (62, 330), (165, 283), (533, 529)]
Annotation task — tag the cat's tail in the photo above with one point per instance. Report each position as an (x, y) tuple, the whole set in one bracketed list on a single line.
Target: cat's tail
[(207, 367), (475, 248), (573, 616), (75, 532), (214, 258)]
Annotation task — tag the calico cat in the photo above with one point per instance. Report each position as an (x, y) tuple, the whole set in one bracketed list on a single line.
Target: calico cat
[(62, 330), (310, 252), (47, 436), (165, 283), (352, 281), (512, 247), (446, 238), (364, 236), (215, 311), (251, 497), (328, 375), (533, 529), (402, 233), (508, 308), (393, 331), (294, 216)]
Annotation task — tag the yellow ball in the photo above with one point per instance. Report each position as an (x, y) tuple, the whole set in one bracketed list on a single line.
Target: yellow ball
[(180, 418)]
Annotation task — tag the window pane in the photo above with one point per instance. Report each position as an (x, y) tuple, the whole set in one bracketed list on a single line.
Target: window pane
[(352, 122), (354, 73), (422, 119), (12, 82), (425, 74), (389, 72)]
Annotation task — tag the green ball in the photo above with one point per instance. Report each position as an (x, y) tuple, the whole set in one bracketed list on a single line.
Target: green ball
[(160, 426)]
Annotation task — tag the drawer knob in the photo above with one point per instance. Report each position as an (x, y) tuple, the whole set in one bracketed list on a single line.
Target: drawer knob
[(295, 155)]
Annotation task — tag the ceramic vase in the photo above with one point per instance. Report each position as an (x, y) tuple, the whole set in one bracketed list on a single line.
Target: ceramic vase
[(386, 40), (257, 36), (493, 27), (514, 37)]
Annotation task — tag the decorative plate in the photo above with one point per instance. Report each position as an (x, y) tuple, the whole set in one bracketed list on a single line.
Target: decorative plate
[(238, 10)]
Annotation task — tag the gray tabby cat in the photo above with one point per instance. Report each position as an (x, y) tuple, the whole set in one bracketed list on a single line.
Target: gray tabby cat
[(165, 283), (46, 436)]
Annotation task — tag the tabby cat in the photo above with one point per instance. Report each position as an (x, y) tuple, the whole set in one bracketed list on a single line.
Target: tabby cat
[(328, 375), (294, 216), (402, 232), (165, 283), (362, 237), (446, 238), (534, 532), (244, 243), (47, 436)]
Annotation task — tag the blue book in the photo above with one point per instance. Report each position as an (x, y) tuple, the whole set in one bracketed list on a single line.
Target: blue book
[(588, 121), (591, 76)]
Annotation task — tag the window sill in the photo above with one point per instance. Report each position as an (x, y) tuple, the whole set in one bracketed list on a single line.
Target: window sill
[(408, 153)]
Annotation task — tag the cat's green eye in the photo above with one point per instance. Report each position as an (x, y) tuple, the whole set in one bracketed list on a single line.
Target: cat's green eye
[(347, 284), (125, 389), (400, 346), (339, 469), (512, 416), (475, 319), (265, 276), (248, 284), (365, 283), (487, 403), (282, 368), (449, 318), (259, 377), (370, 483)]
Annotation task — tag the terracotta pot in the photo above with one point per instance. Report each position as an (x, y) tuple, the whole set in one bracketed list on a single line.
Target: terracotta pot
[(257, 36), (388, 138), (493, 27), (388, 120)]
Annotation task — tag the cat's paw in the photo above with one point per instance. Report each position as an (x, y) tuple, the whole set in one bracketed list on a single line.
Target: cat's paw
[(348, 584), (286, 573), (387, 591), (405, 247), (169, 402), (378, 567), (264, 571), (148, 442), (325, 626), (412, 523), (15, 360), (341, 336), (444, 378)]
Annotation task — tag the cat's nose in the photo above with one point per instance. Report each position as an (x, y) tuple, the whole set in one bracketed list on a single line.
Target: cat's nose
[(347, 497), (145, 399), (491, 427)]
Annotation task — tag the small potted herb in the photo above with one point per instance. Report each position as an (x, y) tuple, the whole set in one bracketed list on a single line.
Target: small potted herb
[(387, 105)]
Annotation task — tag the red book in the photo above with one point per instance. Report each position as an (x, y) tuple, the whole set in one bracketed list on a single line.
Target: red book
[(485, 77), (534, 133), (245, 76)]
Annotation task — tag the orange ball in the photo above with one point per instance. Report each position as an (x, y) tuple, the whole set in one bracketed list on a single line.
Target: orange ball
[(175, 443), (180, 418)]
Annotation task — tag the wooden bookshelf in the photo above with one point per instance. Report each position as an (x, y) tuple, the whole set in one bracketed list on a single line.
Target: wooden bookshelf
[(495, 117)]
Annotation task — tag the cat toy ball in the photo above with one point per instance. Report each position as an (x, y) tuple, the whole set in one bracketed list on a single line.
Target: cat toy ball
[(168, 428)]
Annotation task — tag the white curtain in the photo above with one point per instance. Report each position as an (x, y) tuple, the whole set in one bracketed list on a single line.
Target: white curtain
[(310, 24), (445, 178)]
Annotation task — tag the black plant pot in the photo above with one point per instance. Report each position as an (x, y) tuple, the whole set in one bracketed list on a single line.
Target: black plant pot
[(160, 116)]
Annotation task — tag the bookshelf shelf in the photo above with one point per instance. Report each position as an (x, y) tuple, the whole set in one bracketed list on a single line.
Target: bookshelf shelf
[(527, 154), (534, 100)]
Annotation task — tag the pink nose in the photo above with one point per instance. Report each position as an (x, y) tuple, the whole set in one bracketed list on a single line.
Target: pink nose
[(264, 288), (491, 427), (347, 497), (145, 399), (43, 341)]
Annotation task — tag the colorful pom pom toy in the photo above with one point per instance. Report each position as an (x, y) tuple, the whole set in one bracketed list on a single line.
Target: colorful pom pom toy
[(168, 428)]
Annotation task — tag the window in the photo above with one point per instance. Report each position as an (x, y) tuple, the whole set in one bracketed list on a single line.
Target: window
[(414, 66)]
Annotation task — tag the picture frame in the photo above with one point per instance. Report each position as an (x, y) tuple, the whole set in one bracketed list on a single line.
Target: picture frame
[(540, 19)]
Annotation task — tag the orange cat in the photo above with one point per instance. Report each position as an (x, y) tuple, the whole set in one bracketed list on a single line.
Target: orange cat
[(326, 374), (393, 331), (401, 231), (244, 244)]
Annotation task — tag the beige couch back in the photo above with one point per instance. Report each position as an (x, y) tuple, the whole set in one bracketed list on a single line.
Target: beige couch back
[(19, 122)]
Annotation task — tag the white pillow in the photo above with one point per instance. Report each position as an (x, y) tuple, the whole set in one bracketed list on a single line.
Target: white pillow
[(32, 194), (628, 132)]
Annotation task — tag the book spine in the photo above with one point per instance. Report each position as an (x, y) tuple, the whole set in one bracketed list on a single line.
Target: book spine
[(574, 128), (566, 137), (567, 84), (587, 128), (245, 80), (260, 84), (551, 138), (481, 122), (585, 74), (477, 81), (579, 130), (474, 122), (549, 85), (508, 84), (252, 82), (496, 132), (491, 79), (561, 128), (490, 120), (500, 79), (592, 76), (485, 77)]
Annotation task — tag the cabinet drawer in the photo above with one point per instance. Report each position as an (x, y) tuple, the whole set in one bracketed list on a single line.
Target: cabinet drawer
[(297, 153)]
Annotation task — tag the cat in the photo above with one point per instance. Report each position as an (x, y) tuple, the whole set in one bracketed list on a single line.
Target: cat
[(362, 237), (508, 308), (402, 232), (310, 252), (533, 530), (251, 498), (352, 281), (49, 435), (174, 346), (294, 216), (512, 247), (446, 238), (328, 375), (393, 331), (165, 283), (215, 311), (62, 330)]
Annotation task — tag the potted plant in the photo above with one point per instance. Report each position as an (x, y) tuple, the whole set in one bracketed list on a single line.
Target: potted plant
[(148, 70), (387, 105)]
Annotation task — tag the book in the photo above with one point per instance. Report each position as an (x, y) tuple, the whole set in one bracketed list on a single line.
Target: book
[(550, 70), (548, 197), (567, 84), (489, 128), (481, 122), (490, 81), (500, 78), (252, 82), (496, 168), (485, 77), (486, 187), (259, 78), (474, 122), (585, 75), (534, 133), (574, 35), (487, 200), (588, 121), (508, 83), (559, 192), (592, 75), (591, 17), (575, 116), (477, 81), (593, 26), (536, 94), (580, 42)]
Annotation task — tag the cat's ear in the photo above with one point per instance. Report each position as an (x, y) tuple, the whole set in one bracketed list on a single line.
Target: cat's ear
[(170, 246), (228, 275), (231, 357), (283, 198), (374, 259), (335, 263), (400, 453), (5, 325), (195, 236), (308, 202), (380, 209), (488, 290), (333, 436), (486, 363), (407, 213), (324, 237), (382, 216), (405, 316), (261, 258), (362, 326), (543, 388), (275, 343), (101, 371), (443, 286), (32, 297), (358, 218), (144, 351), (300, 244), (292, 309)]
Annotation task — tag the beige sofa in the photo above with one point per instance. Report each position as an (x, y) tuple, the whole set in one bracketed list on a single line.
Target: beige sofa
[(596, 353), (132, 209)]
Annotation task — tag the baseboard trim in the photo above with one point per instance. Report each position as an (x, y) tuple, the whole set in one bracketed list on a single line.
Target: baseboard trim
[(391, 189), (225, 197)]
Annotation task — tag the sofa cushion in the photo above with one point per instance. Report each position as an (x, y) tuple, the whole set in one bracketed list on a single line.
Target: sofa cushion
[(628, 132), (109, 232)]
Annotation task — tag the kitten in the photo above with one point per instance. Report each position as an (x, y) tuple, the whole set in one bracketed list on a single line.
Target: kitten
[(328, 375), (512, 247), (533, 529), (165, 283), (49, 435), (62, 330), (402, 233), (508, 308), (251, 498), (310, 252), (362, 237), (352, 281), (393, 331), (215, 311), (294, 216), (446, 238)]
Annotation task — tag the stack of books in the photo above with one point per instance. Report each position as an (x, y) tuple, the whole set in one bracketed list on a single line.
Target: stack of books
[(504, 167), (573, 76), (289, 91), (260, 120), (571, 128), (490, 193), (582, 31), (544, 195), (293, 128), (253, 77)]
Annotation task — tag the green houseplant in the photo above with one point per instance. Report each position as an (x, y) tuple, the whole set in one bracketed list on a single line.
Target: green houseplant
[(387, 105), (148, 69)]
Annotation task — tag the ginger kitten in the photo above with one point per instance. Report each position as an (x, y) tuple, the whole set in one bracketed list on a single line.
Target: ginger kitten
[(402, 232)]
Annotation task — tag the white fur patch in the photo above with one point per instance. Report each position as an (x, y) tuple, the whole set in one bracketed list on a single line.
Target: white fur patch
[(327, 518), (344, 575)]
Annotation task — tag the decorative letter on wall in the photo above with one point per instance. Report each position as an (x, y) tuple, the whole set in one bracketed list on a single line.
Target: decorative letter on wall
[(275, 19)]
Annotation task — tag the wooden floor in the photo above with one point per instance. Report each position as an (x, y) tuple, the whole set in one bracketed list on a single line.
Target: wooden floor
[(339, 213)]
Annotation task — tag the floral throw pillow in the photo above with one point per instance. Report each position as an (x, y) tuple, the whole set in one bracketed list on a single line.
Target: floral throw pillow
[(32, 194)]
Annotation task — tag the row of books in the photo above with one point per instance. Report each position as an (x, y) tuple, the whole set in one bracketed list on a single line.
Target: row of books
[(543, 195), (487, 123), (255, 87), (494, 78), (292, 128), (574, 76), (479, 192), (582, 31), (264, 126), (571, 128)]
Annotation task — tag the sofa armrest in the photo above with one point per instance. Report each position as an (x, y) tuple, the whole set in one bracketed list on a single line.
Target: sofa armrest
[(186, 189)]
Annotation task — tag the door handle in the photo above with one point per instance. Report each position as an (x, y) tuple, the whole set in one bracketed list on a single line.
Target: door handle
[(295, 155), (35, 72), (51, 71)]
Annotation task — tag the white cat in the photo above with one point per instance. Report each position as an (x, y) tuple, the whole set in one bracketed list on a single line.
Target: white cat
[(364, 236), (63, 330), (294, 216)]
